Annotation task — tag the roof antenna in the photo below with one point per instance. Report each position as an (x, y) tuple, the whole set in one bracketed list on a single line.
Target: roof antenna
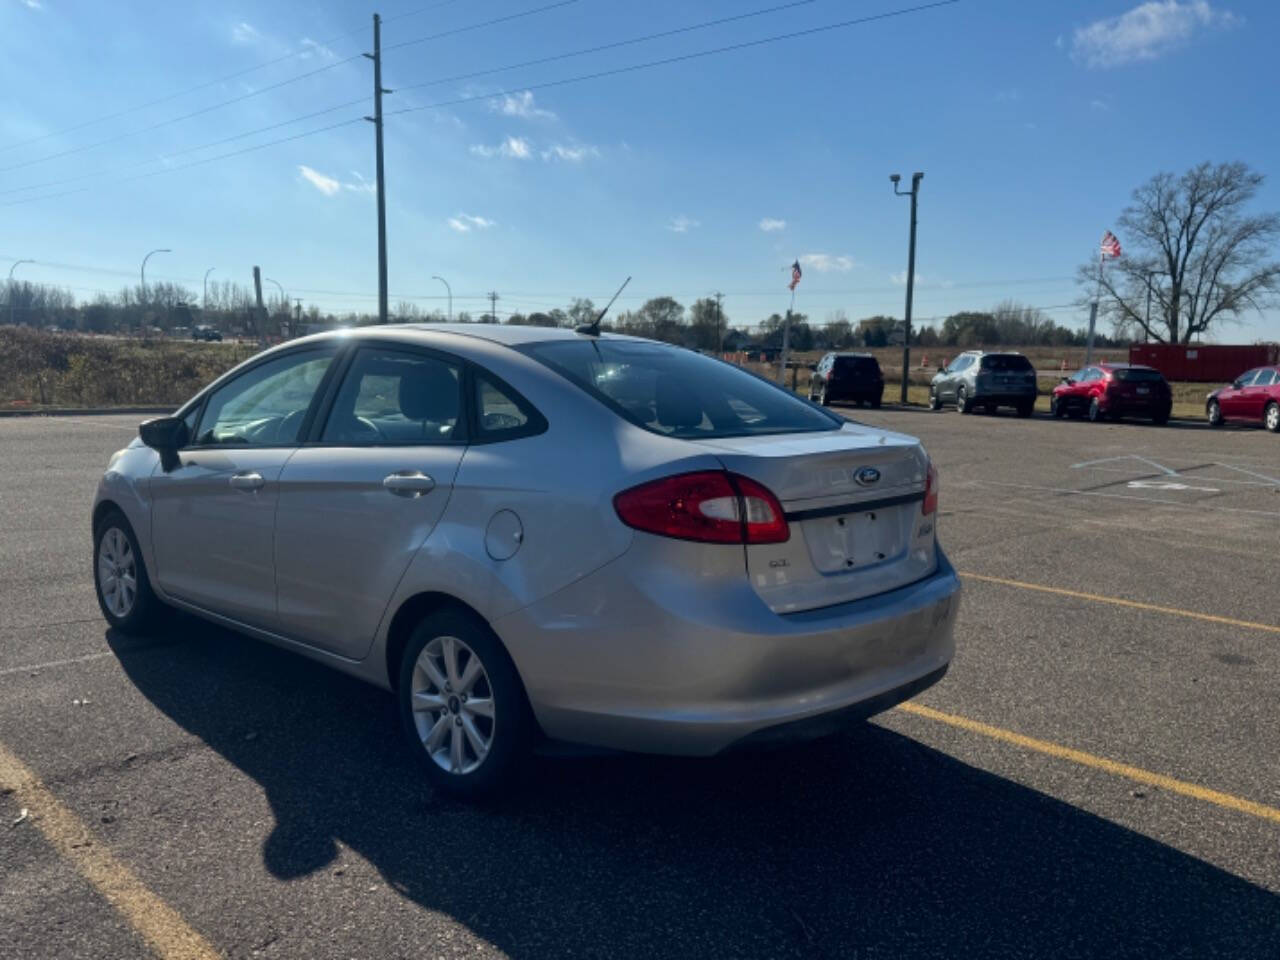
[(592, 329)]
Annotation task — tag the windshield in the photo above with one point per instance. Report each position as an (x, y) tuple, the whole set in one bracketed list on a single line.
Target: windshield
[(679, 393), (1006, 362), (1137, 375)]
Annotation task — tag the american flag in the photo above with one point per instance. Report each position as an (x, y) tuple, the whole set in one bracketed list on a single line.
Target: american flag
[(1110, 245), (795, 275)]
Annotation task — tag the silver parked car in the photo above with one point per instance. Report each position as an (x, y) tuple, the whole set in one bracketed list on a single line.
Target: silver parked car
[(977, 378), (531, 533)]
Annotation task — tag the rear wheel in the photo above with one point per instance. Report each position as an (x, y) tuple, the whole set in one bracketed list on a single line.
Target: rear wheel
[(1214, 412), (875, 404), (1025, 409), (120, 577), (1161, 418), (963, 403), (463, 707), (822, 396), (1271, 417)]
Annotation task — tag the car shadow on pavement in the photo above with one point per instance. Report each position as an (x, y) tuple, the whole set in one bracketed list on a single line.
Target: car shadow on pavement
[(865, 845)]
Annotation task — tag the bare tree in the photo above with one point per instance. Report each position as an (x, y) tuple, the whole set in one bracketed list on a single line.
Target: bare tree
[(1194, 251)]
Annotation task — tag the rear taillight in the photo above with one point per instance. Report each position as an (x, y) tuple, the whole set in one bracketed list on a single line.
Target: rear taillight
[(930, 503), (710, 506)]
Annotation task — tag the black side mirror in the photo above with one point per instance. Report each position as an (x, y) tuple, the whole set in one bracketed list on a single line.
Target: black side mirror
[(1065, 380), (165, 435)]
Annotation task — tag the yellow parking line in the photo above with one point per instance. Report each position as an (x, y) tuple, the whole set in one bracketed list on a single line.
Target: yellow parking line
[(162, 927), (1118, 602), (1137, 774)]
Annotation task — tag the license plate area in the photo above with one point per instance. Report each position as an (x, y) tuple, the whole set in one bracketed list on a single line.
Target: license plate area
[(1142, 391), (855, 540)]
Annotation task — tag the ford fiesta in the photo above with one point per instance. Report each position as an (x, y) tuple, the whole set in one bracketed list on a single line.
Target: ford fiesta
[(532, 534)]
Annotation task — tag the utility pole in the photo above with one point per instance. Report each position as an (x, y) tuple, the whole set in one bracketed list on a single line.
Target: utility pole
[(262, 311), (719, 323), (10, 286), (911, 275), (376, 120), (297, 317), (204, 304), (493, 306)]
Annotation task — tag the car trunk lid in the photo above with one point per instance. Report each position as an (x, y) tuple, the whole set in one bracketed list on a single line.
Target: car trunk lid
[(852, 499)]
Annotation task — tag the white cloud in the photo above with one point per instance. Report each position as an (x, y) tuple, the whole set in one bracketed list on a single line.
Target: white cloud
[(1146, 32), (326, 185), (32, 4), (682, 224), (244, 34), (900, 278), (465, 223), (570, 154), (520, 105), (361, 185), (515, 148), (315, 48), (1100, 105), (769, 224), (827, 262)]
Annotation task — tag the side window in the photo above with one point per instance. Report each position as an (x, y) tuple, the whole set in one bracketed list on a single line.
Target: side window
[(1245, 379), (392, 396), (1267, 378), (502, 414), (265, 406)]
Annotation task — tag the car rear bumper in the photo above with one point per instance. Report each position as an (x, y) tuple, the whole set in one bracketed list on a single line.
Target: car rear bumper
[(623, 661), (1009, 398), (857, 393), (1137, 408)]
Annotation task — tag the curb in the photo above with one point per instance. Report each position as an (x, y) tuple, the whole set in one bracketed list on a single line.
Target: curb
[(83, 411)]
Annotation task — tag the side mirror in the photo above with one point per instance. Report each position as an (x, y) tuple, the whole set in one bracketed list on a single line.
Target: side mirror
[(1065, 380), (164, 433)]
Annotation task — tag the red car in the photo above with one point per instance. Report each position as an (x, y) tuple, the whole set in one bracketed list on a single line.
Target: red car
[(1254, 398), (1113, 390)]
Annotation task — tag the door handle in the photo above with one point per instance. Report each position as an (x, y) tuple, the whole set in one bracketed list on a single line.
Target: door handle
[(408, 483), (249, 480)]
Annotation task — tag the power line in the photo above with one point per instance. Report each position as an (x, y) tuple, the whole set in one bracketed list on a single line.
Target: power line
[(891, 14), (488, 23), (213, 83), (610, 46)]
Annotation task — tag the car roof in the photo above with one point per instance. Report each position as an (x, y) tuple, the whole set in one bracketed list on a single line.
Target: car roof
[(503, 334), (851, 353), (1117, 365)]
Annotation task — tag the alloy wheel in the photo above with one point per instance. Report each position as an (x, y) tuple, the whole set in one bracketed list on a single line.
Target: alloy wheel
[(1215, 414), (453, 705), (117, 573), (1272, 418)]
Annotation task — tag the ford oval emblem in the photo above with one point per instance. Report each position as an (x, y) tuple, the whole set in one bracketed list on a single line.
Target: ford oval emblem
[(867, 476)]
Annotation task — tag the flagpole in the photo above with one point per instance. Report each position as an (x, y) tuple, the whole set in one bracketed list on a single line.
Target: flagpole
[(1093, 310), (786, 341)]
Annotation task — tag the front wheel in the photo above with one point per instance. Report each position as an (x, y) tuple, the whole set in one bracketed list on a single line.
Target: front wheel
[(1095, 411), (120, 577), (1214, 412), (1055, 408), (1271, 417), (963, 403), (463, 707), (935, 402)]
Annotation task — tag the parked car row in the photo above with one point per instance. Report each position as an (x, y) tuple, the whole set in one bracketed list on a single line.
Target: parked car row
[(985, 380)]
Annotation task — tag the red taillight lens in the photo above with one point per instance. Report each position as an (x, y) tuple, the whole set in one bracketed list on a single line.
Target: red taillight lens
[(709, 506), (930, 503)]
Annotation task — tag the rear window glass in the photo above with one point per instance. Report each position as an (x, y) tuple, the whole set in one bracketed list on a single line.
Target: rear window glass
[(1006, 362), (858, 366), (1126, 375), (679, 393)]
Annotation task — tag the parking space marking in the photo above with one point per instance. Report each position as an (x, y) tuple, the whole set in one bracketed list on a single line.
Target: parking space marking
[(162, 927), (1120, 602), (49, 664), (1120, 496), (1129, 772)]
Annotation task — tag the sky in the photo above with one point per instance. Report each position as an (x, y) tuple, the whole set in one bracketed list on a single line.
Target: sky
[(1031, 121)]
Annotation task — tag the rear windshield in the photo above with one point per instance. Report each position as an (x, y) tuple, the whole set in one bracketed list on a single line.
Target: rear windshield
[(679, 393), (857, 366), (1129, 375), (1006, 362)]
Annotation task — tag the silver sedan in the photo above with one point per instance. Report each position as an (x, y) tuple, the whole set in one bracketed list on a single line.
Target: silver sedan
[(534, 535)]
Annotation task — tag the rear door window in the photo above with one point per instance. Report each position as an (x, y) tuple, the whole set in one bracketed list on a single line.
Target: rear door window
[(1267, 378), (1138, 376), (861, 368), (396, 397)]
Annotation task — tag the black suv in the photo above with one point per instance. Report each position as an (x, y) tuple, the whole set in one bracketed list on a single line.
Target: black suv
[(847, 377)]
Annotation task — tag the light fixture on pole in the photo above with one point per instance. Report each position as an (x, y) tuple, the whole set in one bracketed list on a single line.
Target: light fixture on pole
[(143, 271), (449, 290), (911, 274), (9, 286)]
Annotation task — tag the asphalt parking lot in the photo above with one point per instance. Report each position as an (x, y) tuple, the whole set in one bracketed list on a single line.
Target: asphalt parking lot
[(1098, 775)]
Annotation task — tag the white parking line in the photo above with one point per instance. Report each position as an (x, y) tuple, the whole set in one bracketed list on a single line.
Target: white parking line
[(50, 664), (1120, 496)]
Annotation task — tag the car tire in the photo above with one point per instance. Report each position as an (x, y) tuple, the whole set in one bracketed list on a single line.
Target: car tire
[(963, 403), (875, 404), (1271, 417), (1055, 408), (1095, 411), (476, 750), (120, 577), (1213, 413), (1161, 418), (935, 402), (822, 397), (1026, 409)]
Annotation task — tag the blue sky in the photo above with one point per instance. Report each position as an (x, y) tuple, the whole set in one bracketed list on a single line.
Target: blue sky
[(1032, 122)]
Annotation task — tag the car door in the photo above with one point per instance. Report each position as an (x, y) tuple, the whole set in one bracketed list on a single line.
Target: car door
[(1254, 397), (213, 513), (358, 501), (946, 382), (1231, 401)]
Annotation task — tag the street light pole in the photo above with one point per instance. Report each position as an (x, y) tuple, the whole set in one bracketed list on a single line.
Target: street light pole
[(449, 290), (204, 304), (9, 286), (143, 271), (284, 298), (911, 275)]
